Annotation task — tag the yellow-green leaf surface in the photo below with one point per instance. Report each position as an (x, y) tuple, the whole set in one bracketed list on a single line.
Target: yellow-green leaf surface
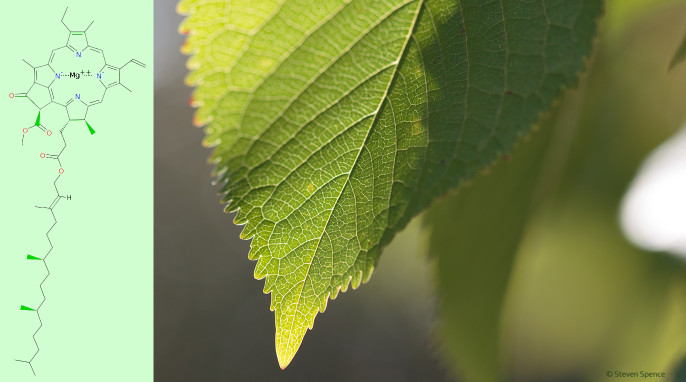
[(335, 122)]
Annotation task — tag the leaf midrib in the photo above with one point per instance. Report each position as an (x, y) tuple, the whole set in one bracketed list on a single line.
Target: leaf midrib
[(324, 144), (356, 161), (321, 72)]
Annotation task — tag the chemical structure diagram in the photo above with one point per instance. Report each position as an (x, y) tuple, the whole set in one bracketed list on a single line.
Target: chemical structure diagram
[(75, 78)]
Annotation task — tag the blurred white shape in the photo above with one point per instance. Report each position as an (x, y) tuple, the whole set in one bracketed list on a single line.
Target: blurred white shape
[(653, 211)]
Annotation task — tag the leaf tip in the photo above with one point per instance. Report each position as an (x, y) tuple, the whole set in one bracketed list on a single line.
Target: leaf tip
[(285, 355)]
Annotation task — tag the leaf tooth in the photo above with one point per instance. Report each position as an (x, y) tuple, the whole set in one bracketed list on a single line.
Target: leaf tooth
[(264, 267), (211, 141), (192, 79), (184, 26), (346, 284), (185, 7), (224, 191), (356, 279), (323, 303), (230, 206), (260, 241), (367, 274), (197, 122), (334, 292), (241, 216), (249, 230), (219, 174), (252, 222), (230, 203), (269, 282)]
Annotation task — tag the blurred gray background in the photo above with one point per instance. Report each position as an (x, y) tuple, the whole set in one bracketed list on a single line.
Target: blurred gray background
[(212, 321)]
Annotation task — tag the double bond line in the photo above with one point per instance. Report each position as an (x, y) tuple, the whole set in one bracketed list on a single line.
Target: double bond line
[(50, 208)]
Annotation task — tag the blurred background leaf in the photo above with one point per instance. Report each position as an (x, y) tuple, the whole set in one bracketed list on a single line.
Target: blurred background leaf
[(680, 54), (579, 299), (475, 234)]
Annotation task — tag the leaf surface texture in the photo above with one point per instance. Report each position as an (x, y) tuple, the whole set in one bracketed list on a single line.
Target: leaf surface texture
[(335, 122)]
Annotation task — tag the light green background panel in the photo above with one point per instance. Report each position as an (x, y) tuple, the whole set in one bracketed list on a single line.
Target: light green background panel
[(97, 315)]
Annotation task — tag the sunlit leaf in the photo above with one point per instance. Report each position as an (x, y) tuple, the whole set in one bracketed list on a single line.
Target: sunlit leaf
[(335, 122)]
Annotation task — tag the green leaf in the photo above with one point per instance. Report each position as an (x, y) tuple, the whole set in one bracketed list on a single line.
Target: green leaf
[(335, 122), (583, 300), (475, 236), (679, 56)]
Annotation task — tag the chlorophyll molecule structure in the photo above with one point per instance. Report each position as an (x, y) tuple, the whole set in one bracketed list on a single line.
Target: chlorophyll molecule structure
[(75, 78)]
